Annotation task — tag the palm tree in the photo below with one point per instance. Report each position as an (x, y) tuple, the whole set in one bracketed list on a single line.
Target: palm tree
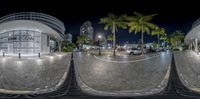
[(113, 22), (177, 38), (90, 42), (141, 23), (110, 37), (159, 32), (165, 38), (81, 40), (67, 46)]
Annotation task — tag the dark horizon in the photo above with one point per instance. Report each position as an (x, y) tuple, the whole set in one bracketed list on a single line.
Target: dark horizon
[(171, 15)]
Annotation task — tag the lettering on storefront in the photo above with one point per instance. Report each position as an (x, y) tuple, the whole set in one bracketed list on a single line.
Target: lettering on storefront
[(12, 38), (23, 38), (27, 38)]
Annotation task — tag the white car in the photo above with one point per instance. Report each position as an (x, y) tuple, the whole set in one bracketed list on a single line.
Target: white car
[(134, 51)]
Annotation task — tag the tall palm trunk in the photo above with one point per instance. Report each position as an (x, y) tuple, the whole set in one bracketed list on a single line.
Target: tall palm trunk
[(114, 46), (142, 43), (164, 44), (158, 37), (142, 38)]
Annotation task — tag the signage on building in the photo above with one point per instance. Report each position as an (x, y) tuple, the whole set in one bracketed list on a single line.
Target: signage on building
[(22, 38)]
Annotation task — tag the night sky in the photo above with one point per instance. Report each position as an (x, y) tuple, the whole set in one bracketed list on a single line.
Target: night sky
[(172, 14)]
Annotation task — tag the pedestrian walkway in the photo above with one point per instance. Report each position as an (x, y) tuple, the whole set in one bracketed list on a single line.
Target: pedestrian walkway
[(33, 74)]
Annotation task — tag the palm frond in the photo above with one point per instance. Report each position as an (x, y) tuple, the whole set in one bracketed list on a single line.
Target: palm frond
[(138, 14), (107, 26), (131, 18), (122, 24), (149, 17), (150, 25), (146, 30), (158, 31)]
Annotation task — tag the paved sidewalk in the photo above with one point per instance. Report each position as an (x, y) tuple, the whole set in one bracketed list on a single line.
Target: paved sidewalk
[(32, 73), (122, 79), (188, 67)]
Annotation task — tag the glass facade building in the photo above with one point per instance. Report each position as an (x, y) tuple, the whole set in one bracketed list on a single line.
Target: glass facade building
[(20, 41), (30, 33), (192, 39)]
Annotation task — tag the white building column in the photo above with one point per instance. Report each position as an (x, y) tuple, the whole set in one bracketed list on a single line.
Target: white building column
[(193, 44), (196, 45), (59, 45), (189, 47)]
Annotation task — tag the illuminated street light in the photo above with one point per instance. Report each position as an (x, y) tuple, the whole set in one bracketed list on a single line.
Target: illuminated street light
[(99, 36)]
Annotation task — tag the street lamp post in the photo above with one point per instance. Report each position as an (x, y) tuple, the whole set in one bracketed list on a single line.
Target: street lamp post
[(99, 38)]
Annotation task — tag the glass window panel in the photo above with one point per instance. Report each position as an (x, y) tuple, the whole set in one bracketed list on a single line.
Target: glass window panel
[(24, 44), (36, 51), (37, 45), (16, 33), (23, 32), (23, 37), (30, 51), (30, 33), (17, 44), (24, 41), (30, 44), (24, 51), (16, 51), (10, 34)]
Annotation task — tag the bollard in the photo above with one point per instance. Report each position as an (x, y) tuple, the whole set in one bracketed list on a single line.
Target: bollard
[(19, 55), (3, 54), (38, 54)]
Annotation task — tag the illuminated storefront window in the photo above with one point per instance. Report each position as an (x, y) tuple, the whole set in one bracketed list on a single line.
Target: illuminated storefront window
[(53, 45), (20, 41)]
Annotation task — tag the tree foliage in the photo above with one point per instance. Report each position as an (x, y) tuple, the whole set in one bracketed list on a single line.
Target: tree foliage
[(110, 37), (158, 32), (112, 23), (82, 39), (68, 47), (140, 23), (176, 38)]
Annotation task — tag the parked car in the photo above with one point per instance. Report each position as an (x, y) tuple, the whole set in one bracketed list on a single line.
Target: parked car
[(159, 49), (135, 51), (120, 49)]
